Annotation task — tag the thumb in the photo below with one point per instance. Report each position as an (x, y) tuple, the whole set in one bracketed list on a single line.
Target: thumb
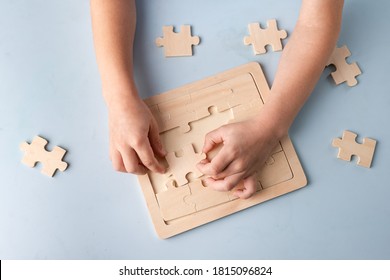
[(212, 139), (155, 140)]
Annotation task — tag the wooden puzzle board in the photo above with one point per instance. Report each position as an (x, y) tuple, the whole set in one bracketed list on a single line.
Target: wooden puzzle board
[(185, 115)]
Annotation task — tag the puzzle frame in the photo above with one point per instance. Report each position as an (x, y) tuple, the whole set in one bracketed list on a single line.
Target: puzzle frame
[(254, 90)]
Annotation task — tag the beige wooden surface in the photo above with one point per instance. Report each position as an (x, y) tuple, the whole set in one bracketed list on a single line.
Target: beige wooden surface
[(348, 147), (259, 38), (176, 206), (177, 43), (345, 72)]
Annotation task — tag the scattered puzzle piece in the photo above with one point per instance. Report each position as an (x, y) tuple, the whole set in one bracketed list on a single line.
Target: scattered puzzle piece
[(349, 147), (177, 44), (36, 152), (180, 166), (259, 38), (171, 201), (203, 197), (344, 72)]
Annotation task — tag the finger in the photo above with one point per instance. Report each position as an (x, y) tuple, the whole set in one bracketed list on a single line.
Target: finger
[(155, 140), (235, 166), (217, 164), (211, 140), (225, 184), (117, 161), (146, 155), (250, 188), (132, 162)]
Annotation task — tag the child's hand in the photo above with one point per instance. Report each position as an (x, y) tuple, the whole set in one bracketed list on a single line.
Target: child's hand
[(246, 147), (134, 137)]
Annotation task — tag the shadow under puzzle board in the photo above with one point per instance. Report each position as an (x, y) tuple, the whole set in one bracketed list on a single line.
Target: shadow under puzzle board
[(177, 200)]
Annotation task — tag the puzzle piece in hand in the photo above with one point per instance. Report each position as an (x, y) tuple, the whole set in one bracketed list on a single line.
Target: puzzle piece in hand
[(36, 152), (203, 197), (259, 38), (344, 72), (181, 166), (348, 147), (177, 44), (171, 201)]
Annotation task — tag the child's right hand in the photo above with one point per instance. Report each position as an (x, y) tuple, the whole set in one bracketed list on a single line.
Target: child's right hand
[(134, 137)]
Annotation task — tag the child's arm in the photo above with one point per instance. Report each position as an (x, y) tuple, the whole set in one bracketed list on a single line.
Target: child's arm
[(134, 137), (247, 145)]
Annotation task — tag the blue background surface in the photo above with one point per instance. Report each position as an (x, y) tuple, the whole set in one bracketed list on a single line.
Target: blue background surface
[(49, 85)]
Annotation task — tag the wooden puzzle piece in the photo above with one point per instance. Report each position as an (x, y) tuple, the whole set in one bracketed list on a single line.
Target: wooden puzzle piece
[(177, 44), (245, 112), (181, 166), (196, 105), (231, 196), (344, 72), (175, 113), (183, 111), (203, 197), (210, 97), (196, 136), (223, 96), (259, 38), (349, 147), (171, 202), (276, 170), (36, 152), (160, 118)]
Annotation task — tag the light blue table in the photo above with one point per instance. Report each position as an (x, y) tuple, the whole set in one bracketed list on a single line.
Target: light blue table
[(49, 85)]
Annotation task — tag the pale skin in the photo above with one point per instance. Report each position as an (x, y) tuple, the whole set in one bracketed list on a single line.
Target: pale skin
[(135, 144)]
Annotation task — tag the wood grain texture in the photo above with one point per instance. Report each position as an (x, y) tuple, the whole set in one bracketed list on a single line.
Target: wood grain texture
[(231, 96)]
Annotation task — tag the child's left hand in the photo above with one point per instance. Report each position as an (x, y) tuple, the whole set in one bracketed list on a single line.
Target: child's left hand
[(245, 148)]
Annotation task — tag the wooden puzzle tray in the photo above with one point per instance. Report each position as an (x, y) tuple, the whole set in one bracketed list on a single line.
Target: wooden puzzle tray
[(177, 200)]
